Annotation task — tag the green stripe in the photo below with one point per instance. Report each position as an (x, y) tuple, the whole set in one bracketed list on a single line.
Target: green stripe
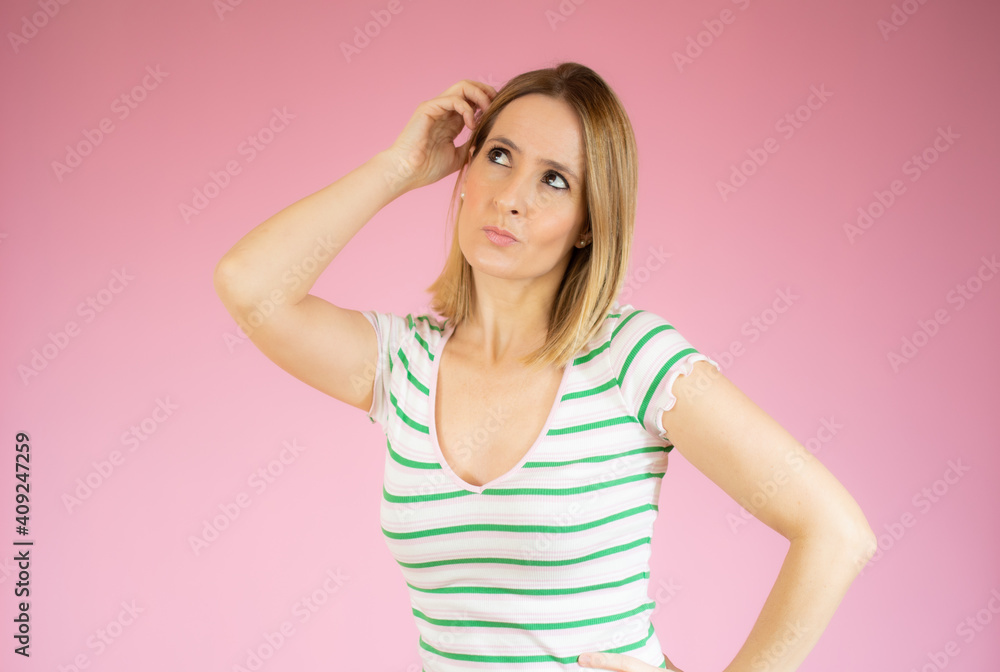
[(656, 381), (622, 323), (531, 659), (638, 346), (572, 491), (492, 590), (506, 492), (414, 464), (407, 462), (431, 324), (412, 423), (506, 527), (416, 334), (594, 390), (582, 359), (596, 458), (409, 375), (620, 548), (565, 625), (628, 361), (423, 343), (399, 499), (659, 376), (591, 425)]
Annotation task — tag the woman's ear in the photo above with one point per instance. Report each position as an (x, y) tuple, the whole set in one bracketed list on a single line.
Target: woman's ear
[(465, 177)]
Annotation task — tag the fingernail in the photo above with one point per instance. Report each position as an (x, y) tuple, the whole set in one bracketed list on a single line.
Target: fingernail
[(586, 659)]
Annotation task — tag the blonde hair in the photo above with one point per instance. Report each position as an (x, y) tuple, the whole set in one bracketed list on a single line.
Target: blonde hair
[(596, 272)]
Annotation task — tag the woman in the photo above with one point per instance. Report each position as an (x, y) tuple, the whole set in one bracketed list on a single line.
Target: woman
[(511, 562)]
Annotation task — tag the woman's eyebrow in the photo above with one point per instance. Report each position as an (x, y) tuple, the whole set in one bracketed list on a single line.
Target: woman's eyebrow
[(547, 162)]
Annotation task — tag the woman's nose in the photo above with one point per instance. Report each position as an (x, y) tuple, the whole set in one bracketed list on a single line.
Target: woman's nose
[(514, 194)]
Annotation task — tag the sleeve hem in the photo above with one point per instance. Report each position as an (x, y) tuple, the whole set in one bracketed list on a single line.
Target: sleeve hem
[(668, 400), (373, 409)]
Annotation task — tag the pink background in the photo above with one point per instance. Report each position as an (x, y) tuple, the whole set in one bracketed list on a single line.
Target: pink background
[(165, 336)]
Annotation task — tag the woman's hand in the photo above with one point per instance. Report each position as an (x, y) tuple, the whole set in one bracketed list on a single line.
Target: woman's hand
[(425, 151), (622, 663)]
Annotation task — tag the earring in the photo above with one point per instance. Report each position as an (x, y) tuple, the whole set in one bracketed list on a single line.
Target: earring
[(463, 194)]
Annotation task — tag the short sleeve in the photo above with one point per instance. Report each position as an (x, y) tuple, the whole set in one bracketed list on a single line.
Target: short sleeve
[(647, 355), (387, 332)]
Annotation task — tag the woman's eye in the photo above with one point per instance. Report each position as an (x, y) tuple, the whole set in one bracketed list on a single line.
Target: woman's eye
[(557, 175), (495, 149), (503, 152)]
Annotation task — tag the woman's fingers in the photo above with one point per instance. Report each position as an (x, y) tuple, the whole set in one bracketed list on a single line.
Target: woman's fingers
[(470, 87), (616, 661), (472, 91), (467, 111), (423, 145), (483, 95)]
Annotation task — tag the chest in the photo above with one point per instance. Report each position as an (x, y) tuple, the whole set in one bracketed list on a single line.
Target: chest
[(487, 421)]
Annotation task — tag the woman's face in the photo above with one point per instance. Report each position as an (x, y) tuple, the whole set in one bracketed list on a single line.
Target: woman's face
[(526, 180)]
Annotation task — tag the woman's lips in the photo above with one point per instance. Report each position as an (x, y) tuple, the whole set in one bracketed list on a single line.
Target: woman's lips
[(497, 237)]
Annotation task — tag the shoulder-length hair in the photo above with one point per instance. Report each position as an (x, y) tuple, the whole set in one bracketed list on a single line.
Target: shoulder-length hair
[(596, 272)]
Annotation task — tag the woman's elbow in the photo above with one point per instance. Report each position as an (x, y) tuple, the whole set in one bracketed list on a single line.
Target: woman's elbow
[(856, 540)]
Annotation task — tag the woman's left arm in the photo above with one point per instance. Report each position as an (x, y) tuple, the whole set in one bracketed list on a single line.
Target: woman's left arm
[(747, 453)]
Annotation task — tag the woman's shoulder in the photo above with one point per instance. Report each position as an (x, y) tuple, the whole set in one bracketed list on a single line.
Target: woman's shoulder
[(412, 330), (619, 317), (426, 324), (632, 319), (626, 326)]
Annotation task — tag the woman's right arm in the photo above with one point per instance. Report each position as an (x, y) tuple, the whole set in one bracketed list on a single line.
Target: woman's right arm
[(265, 279)]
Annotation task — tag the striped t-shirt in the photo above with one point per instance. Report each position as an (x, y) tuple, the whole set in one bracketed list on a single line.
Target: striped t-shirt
[(550, 559)]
